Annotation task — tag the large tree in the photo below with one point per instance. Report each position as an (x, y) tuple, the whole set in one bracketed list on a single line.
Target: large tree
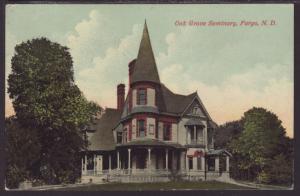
[(45, 98), (261, 142), (225, 133)]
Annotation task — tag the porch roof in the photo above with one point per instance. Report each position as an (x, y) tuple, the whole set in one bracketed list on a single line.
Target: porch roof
[(194, 121), (219, 152), (151, 142)]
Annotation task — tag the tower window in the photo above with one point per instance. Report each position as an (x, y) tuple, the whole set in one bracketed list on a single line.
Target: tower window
[(141, 96), (141, 128)]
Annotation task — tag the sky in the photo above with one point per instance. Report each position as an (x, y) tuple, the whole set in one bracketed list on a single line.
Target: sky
[(232, 68)]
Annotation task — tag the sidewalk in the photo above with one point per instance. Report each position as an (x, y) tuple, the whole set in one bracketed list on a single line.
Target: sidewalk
[(260, 186), (49, 187)]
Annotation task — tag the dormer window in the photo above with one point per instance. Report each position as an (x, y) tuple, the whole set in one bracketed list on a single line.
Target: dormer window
[(141, 96)]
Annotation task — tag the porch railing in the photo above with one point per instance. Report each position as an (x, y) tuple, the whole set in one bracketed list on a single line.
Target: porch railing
[(146, 172), (127, 172)]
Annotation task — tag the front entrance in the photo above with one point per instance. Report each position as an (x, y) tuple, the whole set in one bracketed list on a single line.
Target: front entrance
[(141, 160)]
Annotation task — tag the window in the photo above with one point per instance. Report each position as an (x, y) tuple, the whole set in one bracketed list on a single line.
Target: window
[(119, 137), (196, 110), (125, 136), (167, 132), (141, 128), (190, 162), (141, 97), (194, 134)]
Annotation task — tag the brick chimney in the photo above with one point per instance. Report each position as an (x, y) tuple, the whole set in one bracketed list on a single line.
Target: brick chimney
[(120, 96)]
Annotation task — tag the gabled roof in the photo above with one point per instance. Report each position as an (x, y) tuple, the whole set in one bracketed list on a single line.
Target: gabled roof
[(145, 67), (103, 138), (174, 103)]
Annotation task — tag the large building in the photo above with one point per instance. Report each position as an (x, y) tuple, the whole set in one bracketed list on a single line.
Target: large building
[(153, 134)]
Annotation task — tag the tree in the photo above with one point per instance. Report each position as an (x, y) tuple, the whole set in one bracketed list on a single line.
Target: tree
[(46, 99), (225, 133), (22, 151), (262, 139)]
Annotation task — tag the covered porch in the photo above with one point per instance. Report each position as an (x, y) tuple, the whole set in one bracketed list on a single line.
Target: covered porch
[(134, 161)]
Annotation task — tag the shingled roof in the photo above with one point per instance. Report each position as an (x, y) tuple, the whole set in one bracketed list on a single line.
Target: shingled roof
[(103, 138), (174, 103), (145, 67)]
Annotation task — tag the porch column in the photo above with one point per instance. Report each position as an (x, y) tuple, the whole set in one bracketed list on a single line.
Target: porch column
[(99, 162), (95, 162), (205, 137), (118, 160), (109, 162), (167, 154), (149, 158), (217, 164), (186, 162), (82, 162), (129, 158), (203, 163), (227, 163), (85, 164)]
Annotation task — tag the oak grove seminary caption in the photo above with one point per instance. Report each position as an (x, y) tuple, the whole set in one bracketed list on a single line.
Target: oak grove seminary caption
[(212, 23)]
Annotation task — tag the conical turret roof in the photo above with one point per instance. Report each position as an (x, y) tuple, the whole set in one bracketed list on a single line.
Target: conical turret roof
[(145, 67)]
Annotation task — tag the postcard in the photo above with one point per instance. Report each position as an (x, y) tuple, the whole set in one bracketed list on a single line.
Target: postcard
[(149, 97)]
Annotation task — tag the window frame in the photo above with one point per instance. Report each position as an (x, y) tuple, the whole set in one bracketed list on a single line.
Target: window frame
[(125, 136), (119, 135), (144, 127), (138, 98), (169, 137)]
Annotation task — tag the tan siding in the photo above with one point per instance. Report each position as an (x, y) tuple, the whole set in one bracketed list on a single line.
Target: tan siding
[(174, 132), (133, 97), (182, 131), (150, 97)]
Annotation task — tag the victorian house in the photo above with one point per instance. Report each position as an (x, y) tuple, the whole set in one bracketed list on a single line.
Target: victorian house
[(154, 134)]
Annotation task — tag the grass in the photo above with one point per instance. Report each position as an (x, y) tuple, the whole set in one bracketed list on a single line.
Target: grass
[(203, 185)]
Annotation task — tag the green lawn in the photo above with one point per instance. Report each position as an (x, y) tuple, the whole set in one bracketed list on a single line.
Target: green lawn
[(205, 185)]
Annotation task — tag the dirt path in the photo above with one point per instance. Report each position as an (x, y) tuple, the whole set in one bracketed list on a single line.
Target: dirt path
[(259, 186)]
